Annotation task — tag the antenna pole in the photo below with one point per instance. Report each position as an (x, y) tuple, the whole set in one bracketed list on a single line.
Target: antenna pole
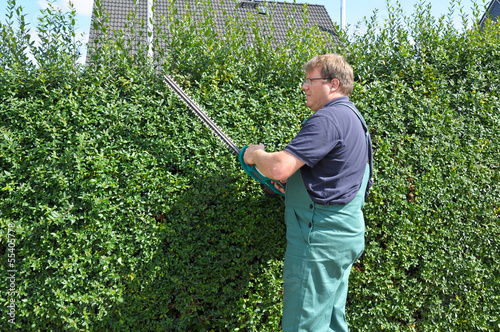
[(342, 14), (150, 28)]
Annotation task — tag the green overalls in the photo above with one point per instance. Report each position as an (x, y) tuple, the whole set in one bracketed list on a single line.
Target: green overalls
[(323, 241)]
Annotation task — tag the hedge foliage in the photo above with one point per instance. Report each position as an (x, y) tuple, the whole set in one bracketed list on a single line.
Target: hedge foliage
[(130, 215)]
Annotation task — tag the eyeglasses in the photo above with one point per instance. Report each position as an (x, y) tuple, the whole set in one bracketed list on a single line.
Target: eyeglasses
[(308, 81)]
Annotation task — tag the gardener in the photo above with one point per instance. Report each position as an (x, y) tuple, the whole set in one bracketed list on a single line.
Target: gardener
[(327, 168)]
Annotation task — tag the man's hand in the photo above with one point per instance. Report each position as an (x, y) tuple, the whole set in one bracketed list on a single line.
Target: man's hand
[(248, 157), (274, 165), (278, 186)]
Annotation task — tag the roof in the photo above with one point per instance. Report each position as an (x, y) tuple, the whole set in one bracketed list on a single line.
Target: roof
[(276, 16), (492, 12)]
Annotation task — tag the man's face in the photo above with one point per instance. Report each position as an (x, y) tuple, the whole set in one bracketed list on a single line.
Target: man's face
[(317, 92)]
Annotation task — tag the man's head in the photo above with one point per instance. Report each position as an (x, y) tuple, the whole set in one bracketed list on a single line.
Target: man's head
[(335, 68)]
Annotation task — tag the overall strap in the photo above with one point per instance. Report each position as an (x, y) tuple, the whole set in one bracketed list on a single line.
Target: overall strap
[(370, 153), (360, 117)]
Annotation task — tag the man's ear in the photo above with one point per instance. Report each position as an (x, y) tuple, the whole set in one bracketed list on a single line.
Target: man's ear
[(335, 87)]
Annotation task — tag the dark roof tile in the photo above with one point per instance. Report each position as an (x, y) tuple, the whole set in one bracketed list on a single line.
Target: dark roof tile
[(492, 12), (269, 15)]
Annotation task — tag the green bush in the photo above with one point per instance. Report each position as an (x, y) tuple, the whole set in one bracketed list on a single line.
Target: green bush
[(130, 215)]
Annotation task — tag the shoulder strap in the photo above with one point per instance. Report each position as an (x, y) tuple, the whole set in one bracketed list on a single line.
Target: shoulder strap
[(370, 153), (360, 117)]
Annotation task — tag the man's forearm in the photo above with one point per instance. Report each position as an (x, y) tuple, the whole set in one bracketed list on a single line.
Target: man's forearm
[(266, 163), (275, 165)]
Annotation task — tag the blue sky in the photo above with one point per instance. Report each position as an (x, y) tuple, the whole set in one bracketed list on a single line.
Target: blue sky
[(355, 10)]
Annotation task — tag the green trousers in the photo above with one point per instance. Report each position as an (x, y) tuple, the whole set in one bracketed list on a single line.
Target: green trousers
[(323, 241)]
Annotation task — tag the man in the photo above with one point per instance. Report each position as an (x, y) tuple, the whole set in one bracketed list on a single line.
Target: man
[(327, 169)]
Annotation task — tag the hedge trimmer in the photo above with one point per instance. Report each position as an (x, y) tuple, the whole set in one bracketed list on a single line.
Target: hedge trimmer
[(251, 170)]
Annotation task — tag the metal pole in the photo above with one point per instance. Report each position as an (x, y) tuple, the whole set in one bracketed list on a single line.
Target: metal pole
[(342, 14), (150, 28)]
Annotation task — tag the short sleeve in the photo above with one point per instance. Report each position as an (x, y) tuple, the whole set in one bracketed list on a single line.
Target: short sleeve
[(315, 140)]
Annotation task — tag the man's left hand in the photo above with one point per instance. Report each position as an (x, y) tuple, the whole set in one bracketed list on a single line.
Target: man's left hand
[(248, 157)]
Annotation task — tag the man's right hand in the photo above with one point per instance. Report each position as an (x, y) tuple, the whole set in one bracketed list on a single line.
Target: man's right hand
[(280, 187)]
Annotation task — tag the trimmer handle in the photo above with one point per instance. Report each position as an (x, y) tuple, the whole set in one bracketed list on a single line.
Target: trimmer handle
[(254, 172)]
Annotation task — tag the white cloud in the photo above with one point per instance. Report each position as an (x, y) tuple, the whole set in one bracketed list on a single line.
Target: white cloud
[(42, 4), (82, 7)]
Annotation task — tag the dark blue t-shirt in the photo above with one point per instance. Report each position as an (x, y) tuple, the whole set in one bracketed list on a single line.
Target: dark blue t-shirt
[(333, 146)]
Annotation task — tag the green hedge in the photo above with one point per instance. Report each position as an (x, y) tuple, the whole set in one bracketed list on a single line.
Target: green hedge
[(130, 215)]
